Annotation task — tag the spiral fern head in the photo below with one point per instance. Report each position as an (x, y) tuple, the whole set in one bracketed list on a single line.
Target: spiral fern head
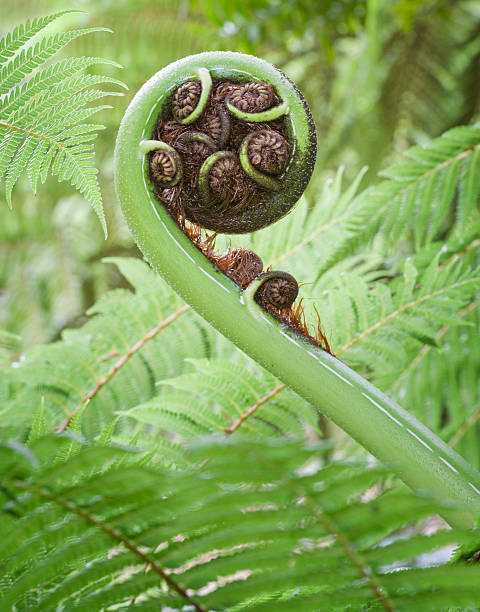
[(242, 136)]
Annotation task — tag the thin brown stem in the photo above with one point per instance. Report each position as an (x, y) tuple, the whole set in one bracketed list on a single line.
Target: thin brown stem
[(355, 558), (114, 535), (121, 362), (35, 134), (252, 409), (343, 540), (473, 245)]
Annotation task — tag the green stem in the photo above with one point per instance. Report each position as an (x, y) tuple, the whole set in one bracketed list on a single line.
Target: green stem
[(267, 115), (206, 83), (390, 433)]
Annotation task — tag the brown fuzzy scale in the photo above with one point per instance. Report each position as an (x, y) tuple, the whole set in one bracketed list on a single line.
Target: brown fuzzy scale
[(216, 124), (252, 97), (241, 265), (269, 152), (185, 99), (293, 317), (197, 151), (212, 125), (223, 89), (169, 131)]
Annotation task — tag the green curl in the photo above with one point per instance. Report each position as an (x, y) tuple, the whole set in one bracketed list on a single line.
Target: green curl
[(267, 115), (197, 137), (386, 430), (147, 146), (206, 83)]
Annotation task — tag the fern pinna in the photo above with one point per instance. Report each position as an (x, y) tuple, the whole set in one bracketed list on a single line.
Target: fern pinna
[(99, 528), (43, 109)]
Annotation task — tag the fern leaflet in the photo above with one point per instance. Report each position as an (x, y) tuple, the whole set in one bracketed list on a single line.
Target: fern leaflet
[(43, 109), (252, 525)]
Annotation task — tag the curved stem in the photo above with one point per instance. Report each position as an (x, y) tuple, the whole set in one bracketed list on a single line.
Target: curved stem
[(197, 137), (390, 433), (147, 146), (268, 182), (267, 115), (206, 83)]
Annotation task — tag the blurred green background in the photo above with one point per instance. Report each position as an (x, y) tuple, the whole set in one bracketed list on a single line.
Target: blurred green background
[(378, 75)]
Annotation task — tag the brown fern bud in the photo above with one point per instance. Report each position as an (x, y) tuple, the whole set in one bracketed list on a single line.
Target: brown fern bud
[(268, 151), (216, 123), (196, 145), (165, 168), (185, 99), (225, 180), (252, 97), (279, 293), (223, 89)]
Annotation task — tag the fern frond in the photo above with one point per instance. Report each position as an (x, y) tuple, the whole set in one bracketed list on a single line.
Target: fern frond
[(114, 360), (42, 111), (12, 41), (255, 525), (418, 195), (381, 326), (218, 397), (442, 386)]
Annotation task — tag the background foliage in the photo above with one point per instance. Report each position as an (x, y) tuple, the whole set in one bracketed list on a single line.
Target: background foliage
[(90, 348)]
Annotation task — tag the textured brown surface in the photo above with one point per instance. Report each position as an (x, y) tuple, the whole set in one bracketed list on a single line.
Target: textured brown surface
[(185, 99), (269, 151)]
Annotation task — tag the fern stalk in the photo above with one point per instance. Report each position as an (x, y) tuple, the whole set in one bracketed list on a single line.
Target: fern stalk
[(390, 433)]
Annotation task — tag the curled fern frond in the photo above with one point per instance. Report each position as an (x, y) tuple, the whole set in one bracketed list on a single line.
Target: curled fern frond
[(43, 109)]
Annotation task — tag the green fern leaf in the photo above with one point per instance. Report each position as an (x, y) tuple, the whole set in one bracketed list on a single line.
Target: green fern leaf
[(42, 110), (220, 395), (251, 525), (417, 194), (85, 356), (10, 43)]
